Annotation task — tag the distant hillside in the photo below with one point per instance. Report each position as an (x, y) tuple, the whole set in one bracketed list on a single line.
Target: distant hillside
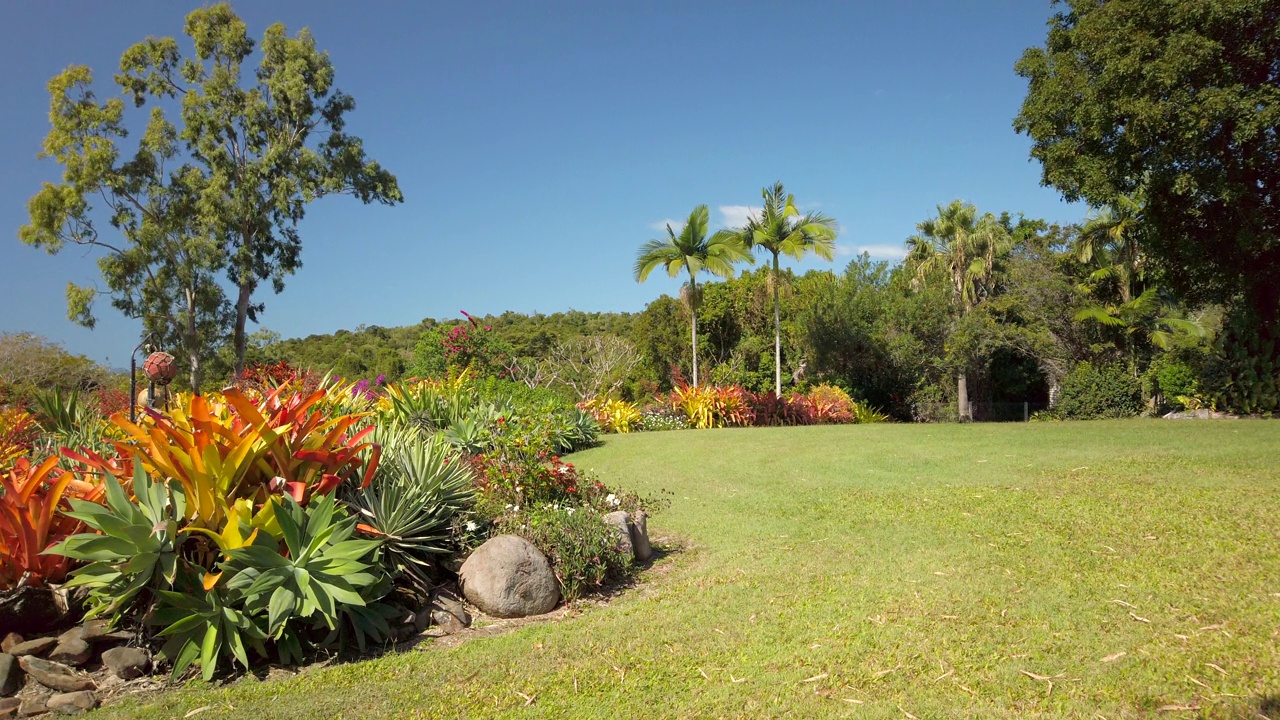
[(369, 351)]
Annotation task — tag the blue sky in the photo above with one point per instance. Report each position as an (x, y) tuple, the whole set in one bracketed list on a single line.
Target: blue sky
[(539, 144)]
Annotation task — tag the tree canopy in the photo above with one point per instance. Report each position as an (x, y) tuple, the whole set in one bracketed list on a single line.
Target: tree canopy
[(1181, 101), (218, 194)]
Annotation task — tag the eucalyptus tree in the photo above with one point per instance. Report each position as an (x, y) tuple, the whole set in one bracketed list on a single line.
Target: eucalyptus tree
[(962, 247), (220, 191), (780, 229), (693, 252)]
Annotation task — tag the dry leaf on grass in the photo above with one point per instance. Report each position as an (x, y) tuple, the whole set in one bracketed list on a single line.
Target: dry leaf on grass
[(198, 710), (528, 699), (1177, 708), (1139, 618), (1116, 656), (945, 675), (909, 715), (1215, 667), (1121, 602), (816, 678), (882, 673)]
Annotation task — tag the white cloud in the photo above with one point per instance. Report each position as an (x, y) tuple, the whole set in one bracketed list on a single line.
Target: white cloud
[(735, 216), (877, 252), (661, 225)]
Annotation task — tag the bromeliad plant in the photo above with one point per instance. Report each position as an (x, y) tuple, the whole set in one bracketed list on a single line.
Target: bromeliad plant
[(235, 449), (33, 504)]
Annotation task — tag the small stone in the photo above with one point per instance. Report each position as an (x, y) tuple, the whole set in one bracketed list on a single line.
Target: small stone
[(620, 521), (447, 602), (38, 647), (73, 703), (10, 675), (6, 645), (127, 663), (94, 630), (75, 633), (55, 676), (34, 705), (448, 622), (640, 535), (9, 707), (71, 650)]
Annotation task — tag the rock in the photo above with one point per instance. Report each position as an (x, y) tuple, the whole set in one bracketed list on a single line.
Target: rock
[(448, 622), (127, 663), (620, 521), (448, 603), (38, 647), (72, 703), (71, 649), (6, 645), (9, 707), (508, 577), (10, 675), (55, 676), (640, 535), (34, 705)]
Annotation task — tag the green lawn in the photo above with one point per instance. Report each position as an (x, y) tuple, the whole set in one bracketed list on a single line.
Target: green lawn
[(1106, 569)]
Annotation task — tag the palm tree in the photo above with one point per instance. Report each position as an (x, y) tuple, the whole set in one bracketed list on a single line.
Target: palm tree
[(1110, 240), (694, 252), (965, 247), (780, 229)]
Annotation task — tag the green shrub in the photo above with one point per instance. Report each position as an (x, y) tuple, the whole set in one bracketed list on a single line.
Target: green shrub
[(583, 550), (1175, 378), (1103, 391)]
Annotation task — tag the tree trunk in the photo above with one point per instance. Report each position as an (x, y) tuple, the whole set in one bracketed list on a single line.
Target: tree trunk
[(191, 339), (777, 333), (693, 313), (242, 317), (962, 398)]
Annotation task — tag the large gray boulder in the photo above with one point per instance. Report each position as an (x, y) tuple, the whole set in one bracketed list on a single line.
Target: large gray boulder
[(508, 577)]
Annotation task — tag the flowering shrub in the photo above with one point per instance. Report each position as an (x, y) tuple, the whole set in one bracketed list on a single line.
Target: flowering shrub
[(583, 550), (261, 378), (469, 347), (662, 418), (770, 410)]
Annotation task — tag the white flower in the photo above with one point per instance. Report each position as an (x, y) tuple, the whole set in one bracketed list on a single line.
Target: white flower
[(471, 526), (570, 511), (613, 500)]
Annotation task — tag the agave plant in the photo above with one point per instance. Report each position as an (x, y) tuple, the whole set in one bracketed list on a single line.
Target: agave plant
[(422, 485)]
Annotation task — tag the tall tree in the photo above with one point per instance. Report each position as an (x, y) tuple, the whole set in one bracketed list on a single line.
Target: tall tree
[(250, 159), (962, 247), (1182, 100), (165, 272), (780, 229), (693, 252)]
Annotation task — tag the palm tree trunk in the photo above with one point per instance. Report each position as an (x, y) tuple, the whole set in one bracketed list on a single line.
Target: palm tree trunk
[(693, 313), (962, 397), (777, 333)]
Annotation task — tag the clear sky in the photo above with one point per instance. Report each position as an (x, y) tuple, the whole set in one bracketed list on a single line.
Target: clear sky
[(539, 144)]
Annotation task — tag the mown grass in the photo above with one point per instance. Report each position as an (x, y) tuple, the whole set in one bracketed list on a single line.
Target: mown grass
[(1112, 569)]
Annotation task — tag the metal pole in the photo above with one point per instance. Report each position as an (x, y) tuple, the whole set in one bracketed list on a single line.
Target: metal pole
[(1026, 412), (133, 379)]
